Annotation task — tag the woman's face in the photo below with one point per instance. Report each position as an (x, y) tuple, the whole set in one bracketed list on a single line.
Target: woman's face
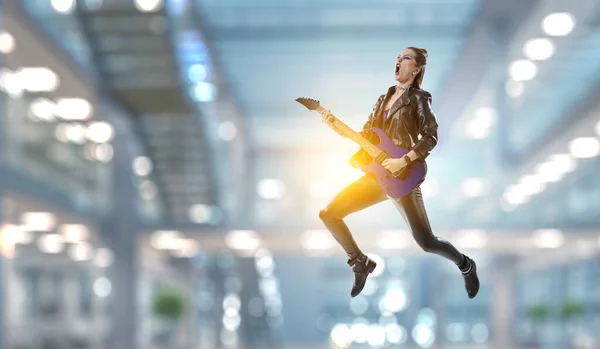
[(406, 65)]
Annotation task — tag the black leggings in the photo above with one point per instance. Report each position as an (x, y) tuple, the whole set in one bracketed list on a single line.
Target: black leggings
[(365, 192)]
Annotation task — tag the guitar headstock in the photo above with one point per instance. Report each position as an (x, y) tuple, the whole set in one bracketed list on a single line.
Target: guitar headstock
[(309, 103)]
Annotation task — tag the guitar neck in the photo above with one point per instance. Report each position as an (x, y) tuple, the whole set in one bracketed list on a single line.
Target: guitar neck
[(349, 133)]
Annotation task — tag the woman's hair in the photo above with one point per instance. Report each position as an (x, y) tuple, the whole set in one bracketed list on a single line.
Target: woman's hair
[(421, 59)]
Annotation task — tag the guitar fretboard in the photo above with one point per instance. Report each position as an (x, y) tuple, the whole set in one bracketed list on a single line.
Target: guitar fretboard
[(349, 133)]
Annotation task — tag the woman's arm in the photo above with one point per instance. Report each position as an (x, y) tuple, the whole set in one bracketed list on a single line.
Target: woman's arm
[(366, 131), (427, 127)]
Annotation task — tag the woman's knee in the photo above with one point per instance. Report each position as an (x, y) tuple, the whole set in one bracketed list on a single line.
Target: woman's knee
[(428, 243), (328, 215)]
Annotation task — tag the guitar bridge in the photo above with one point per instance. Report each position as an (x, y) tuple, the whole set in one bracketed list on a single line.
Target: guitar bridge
[(381, 157)]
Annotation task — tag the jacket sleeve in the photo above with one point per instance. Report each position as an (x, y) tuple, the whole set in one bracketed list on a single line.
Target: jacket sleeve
[(427, 127)]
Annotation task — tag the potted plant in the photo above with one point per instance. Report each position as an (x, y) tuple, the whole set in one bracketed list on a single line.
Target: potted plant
[(168, 306), (538, 313)]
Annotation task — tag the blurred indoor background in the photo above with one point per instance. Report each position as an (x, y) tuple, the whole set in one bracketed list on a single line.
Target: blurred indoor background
[(160, 187)]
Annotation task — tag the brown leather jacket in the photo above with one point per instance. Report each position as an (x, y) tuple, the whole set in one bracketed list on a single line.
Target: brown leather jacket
[(409, 118)]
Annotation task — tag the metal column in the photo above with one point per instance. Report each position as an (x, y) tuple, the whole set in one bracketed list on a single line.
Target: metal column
[(121, 232), (502, 314)]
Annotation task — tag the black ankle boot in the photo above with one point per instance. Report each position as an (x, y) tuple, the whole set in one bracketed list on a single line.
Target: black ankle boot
[(469, 273), (362, 266)]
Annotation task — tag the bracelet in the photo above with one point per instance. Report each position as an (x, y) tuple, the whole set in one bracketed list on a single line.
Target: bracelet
[(407, 159)]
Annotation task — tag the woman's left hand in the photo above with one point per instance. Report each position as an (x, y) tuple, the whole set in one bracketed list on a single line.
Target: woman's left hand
[(394, 165)]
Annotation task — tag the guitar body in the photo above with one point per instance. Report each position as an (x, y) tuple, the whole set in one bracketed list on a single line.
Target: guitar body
[(394, 187)]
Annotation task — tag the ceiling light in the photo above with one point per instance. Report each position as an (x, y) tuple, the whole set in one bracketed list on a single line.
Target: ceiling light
[(227, 131), (558, 24), (394, 239), (204, 92), (486, 115), (538, 49), (12, 234), (166, 239), (429, 188), (188, 248), (548, 238), (142, 166), (317, 240), (515, 195), (474, 238), (93, 5), (74, 233), (7, 42), (200, 213), (148, 5), (341, 335), (63, 6), (73, 109), (531, 184), (100, 132), (522, 70), (38, 221), (82, 251), (38, 79), (102, 287), (242, 240), (475, 129), (270, 188), (42, 109), (585, 147), (103, 152), (474, 187), (563, 162), (549, 172), (50, 243)]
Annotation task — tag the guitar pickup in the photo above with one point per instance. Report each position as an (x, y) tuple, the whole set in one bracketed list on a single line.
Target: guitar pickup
[(381, 157)]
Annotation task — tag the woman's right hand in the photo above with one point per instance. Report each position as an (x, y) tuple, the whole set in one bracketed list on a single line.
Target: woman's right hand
[(328, 118)]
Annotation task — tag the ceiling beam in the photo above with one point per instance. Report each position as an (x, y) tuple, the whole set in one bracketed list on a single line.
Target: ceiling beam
[(310, 33)]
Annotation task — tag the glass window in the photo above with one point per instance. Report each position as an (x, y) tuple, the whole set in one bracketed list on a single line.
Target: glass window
[(85, 293), (577, 201), (57, 152), (576, 283), (594, 280), (31, 282), (64, 28)]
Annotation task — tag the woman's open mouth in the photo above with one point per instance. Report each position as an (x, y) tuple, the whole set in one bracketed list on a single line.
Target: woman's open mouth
[(397, 68)]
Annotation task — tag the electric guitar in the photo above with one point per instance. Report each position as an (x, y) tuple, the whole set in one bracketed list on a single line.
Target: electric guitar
[(396, 185)]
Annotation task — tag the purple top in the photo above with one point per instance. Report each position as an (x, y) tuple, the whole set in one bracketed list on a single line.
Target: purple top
[(385, 114)]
